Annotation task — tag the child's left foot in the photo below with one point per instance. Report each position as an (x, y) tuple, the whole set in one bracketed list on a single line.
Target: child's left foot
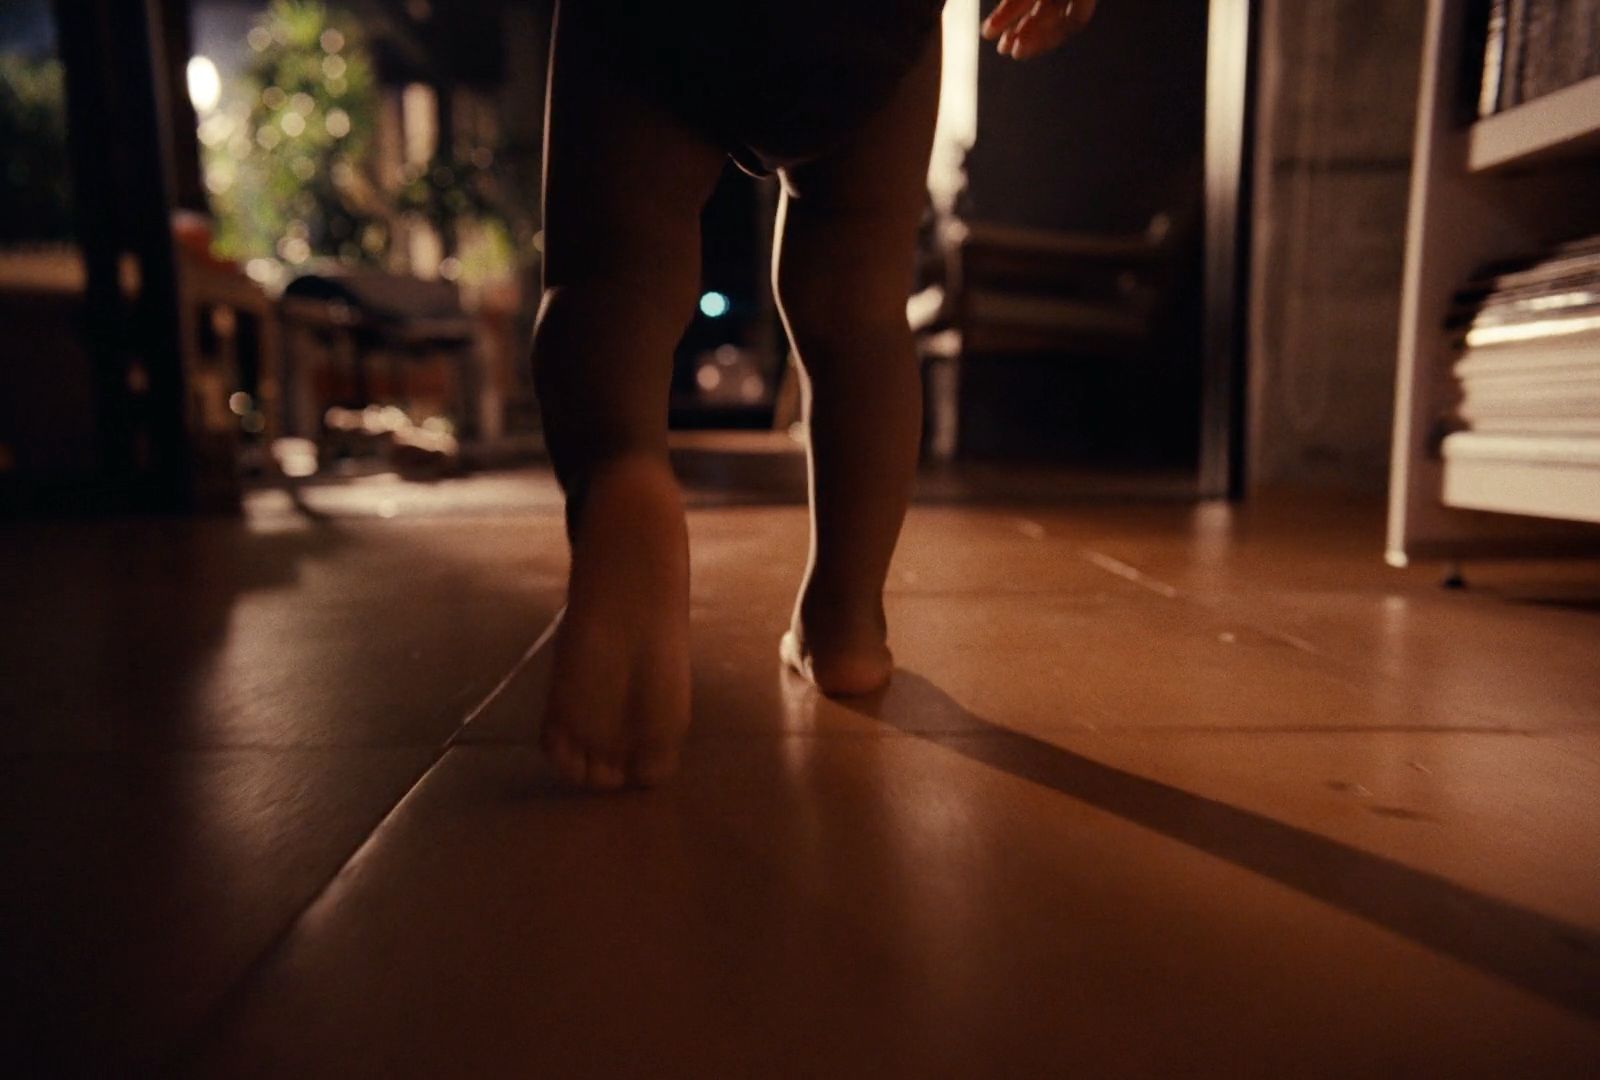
[(619, 693), (847, 659)]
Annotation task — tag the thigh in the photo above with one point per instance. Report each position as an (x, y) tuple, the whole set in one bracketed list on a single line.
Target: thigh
[(883, 165), (624, 178), (849, 218)]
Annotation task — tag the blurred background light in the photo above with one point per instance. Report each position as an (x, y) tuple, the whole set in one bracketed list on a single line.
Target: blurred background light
[(205, 84), (714, 305)]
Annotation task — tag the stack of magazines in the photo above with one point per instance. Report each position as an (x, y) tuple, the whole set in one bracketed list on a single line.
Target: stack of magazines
[(1536, 47), (1528, 373)]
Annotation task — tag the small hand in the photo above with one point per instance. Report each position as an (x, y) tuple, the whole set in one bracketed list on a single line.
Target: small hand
[(1027, 28)]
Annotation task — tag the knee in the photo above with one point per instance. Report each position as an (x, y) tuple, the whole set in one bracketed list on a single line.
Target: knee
[(634, 314), (564, 320), (633, 300), (836, 312)]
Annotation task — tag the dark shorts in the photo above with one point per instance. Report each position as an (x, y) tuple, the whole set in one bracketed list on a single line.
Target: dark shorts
[(775, 84)]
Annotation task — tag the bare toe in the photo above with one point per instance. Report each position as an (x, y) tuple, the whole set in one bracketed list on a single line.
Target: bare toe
[(605, 774), (568, 759)]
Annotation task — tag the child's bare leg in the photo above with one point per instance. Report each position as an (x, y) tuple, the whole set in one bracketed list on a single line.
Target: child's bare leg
[(624, 186), (847, 234)]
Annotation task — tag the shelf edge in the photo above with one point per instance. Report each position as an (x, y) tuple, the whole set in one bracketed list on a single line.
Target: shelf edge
[(1551, 126)]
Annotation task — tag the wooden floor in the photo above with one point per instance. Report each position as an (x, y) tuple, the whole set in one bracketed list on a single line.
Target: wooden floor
[(1157, 789)]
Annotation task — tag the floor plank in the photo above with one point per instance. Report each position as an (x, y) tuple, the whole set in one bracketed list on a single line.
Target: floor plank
[(818, 906), (139, 887), (1158, 787)]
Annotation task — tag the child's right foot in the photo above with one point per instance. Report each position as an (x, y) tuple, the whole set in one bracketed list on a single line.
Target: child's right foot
[(619, 694), (843, 657)]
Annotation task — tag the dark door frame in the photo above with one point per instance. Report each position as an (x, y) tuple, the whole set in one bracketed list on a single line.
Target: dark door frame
[(133, 157)]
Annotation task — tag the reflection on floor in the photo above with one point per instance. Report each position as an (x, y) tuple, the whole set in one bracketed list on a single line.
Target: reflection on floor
[(1158, 788)]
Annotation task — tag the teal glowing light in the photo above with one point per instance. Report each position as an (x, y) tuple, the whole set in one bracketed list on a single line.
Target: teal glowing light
[(714, 305)]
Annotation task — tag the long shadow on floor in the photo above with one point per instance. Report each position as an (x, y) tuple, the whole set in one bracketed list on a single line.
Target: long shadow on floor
[(1556, 960)]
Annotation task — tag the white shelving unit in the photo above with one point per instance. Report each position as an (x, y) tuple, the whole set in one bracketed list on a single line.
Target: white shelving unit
[(1506, 186), (1562, 125), (1550, 477)]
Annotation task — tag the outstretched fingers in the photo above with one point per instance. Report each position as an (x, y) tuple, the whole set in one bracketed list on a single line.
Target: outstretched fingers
[(1029, 28), (1005, 15)]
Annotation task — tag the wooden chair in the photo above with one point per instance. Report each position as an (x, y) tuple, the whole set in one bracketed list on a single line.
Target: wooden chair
[(997, 289), (365, 329)]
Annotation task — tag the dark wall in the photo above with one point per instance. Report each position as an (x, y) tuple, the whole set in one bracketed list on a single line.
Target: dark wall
[(27, 28), (47, 393), (1097, 135), (1336, 108)]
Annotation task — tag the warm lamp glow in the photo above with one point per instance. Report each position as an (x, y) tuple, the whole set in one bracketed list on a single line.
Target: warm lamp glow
[(205, 84)]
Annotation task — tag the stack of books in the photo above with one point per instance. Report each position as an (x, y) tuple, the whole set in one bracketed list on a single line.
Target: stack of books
[(1536, 47), (1528, 373)]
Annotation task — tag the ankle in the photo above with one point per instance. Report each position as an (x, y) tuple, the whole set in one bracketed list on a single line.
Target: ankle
[(847, 618), (839, 665)]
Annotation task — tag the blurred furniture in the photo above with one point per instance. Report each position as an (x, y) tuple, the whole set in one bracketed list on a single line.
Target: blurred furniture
[(133, 161), (365, 337), (1482, 190), (49, 408), (232, 360), (51, 420), (997, 289)]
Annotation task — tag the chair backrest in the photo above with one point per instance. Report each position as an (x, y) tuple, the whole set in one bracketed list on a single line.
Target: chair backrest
[(380, 297)]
